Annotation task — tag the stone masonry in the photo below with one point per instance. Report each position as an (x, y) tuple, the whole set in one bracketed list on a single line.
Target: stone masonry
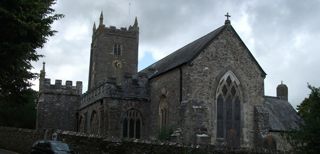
[(210, 91), (58, 105)]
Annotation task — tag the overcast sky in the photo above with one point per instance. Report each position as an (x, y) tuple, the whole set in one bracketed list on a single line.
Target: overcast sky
[(283, 35)]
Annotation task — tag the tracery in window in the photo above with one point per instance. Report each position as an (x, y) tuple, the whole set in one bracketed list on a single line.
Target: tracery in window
[(228, 109), (132, 124)]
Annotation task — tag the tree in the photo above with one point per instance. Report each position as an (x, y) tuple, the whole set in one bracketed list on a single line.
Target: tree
[(22, 115), (25, 27), (307, 138)]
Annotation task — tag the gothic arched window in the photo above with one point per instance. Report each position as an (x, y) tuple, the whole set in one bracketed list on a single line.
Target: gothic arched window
[(116, 49), (94, 123), (132, 124), (81, 123), (228, 109), (163, 112)]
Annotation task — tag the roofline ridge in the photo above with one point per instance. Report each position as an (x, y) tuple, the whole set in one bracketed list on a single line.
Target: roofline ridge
[(219, 28), (254, 59), (198, 50)]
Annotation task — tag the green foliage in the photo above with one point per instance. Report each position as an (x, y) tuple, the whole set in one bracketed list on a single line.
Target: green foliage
[(25, 26), (307, 138), (164, 134), (22, 115)]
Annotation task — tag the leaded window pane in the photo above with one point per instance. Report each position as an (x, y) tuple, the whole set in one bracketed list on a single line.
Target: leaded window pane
[(228, 104), (224, 90), (237, 109), (229, 81), (117, 49), (131, 128), (132, 124), (233, 91), (125, 128), (137, 129), (220, 124)]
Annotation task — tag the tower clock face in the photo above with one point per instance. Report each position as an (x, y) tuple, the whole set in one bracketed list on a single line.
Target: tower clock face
[(117, 64)]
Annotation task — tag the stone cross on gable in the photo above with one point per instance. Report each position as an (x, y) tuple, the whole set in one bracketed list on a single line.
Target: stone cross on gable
[(227, 22), (227, 15)]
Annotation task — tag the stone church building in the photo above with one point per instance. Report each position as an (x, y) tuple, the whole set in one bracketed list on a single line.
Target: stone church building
[(210, 91)]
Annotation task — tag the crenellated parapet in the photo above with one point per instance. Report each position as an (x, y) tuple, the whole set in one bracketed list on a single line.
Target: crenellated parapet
[(59, 88), (124, 31), (133, 87), (131, 31), (57, 104), (114, 51), (120, 30)]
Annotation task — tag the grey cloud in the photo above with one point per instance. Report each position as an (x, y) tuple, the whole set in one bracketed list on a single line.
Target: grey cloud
[(167, 25), (277, 27)]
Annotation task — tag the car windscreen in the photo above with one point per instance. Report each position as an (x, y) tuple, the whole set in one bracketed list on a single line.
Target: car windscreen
[(59, 146)]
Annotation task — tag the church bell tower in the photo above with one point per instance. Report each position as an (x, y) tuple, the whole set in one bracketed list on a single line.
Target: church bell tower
[(114, 53)]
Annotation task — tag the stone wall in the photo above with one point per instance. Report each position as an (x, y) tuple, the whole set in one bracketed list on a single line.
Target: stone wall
[(21, 140), (201, 79), (264, 137), (281, 143), (57, 105), (133, 86), (110, 101), (103, 62), (165, 88), (110, 113), (191, 91)]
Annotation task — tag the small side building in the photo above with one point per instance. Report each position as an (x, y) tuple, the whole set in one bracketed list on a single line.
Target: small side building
[(57, 105)]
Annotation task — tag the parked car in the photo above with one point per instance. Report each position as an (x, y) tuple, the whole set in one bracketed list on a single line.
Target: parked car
[(50, 147)]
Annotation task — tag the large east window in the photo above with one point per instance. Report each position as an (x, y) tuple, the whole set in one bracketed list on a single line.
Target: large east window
[(228, 110)]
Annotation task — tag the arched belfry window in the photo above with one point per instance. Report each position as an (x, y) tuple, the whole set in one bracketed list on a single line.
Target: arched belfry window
[(163, 112), (117, 49), (132, 124), (228, 109)]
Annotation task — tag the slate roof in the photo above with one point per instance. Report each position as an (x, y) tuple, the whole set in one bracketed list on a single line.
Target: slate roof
[(282, 116), (186, 54)]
